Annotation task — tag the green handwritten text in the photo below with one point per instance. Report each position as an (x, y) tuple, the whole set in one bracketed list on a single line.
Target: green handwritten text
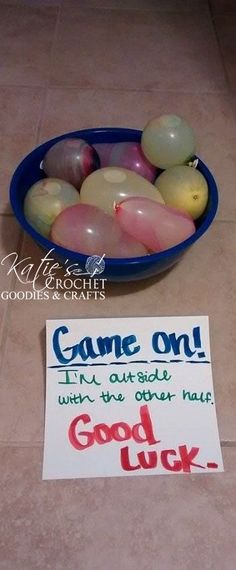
[(140, 376), (74, 399), (148, 396), (107, 397), (197, 397), (75, 377)]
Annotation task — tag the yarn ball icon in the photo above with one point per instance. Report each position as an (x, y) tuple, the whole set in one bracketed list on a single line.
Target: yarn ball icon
[(95, 265)]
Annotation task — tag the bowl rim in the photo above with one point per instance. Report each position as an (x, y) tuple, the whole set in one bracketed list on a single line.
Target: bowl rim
[(135, 135)]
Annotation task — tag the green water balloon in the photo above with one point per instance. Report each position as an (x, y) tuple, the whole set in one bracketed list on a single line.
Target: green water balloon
[(167, 141)]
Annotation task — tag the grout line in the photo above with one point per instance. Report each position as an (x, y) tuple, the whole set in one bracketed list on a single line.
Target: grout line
[(49, 86), (45, 88), (219, 91), (5, 320), (21, 444), (37, 444), (223, 221), (53, 46), (175, 12), (43, 103), (212, 15), (20, 85)]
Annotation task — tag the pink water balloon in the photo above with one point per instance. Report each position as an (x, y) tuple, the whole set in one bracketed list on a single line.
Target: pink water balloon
[(104, 152), (157, 226), (87, 229), (72, 160), (126, 155)]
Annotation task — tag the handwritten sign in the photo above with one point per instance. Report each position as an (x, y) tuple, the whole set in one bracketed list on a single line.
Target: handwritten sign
[(129, 396)]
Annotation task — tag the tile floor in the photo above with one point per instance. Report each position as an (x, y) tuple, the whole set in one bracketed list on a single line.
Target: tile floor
[(62, 67)]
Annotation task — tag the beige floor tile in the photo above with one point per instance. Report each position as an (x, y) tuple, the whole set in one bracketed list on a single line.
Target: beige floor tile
[(136, 50), (201, 284), (167, 51), (20, 110), (226, 31), (222, 6), (26, 35), (186, 522), (211, 116), (9, 242), (158, 5)]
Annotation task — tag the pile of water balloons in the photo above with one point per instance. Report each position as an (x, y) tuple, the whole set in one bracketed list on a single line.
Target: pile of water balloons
[(120, 199)]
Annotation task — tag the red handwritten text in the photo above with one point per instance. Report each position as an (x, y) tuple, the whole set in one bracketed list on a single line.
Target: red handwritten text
[(119, 431), (181, 459)]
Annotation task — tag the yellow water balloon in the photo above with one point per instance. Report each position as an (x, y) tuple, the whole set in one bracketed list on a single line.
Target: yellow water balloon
[(45, 200), (184, 188), (111, 185)]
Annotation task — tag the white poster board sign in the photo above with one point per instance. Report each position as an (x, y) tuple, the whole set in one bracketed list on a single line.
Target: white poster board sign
[(129, 396)]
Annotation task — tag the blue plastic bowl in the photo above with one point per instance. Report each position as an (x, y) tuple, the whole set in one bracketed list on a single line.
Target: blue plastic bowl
[(130, 269)]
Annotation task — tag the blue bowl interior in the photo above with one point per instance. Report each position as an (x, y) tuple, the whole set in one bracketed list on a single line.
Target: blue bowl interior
[(28, 172)]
